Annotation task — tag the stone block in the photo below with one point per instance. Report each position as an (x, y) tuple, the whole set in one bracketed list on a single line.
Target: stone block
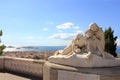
[(53, 71)]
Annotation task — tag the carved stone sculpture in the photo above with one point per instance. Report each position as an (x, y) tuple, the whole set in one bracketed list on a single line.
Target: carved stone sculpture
[(77, 45), (86, 50)]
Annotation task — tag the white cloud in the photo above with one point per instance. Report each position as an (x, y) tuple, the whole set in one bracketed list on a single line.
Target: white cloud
[(65, 25), (79, 31), (45, 29), (64, 36), (118, 42), (61, 35), (76, 27)]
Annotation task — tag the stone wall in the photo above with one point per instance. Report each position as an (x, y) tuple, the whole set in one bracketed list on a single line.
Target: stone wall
[(21, 65), (1, 63), (51, 71)]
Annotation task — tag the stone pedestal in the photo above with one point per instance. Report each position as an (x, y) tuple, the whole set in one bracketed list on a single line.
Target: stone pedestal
[(53, 71)]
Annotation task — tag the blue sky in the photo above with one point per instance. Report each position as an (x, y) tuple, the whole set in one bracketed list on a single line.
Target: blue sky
[(54, 22)]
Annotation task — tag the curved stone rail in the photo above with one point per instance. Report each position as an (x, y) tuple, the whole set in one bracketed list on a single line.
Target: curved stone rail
[(26, 66)]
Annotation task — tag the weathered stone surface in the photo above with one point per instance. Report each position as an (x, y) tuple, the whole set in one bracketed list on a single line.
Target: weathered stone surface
[(21, 65), (68, 75), (87, 60), (1, 62)]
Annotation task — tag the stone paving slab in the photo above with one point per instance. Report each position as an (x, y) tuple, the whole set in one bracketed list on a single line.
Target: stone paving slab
[(15, 76)]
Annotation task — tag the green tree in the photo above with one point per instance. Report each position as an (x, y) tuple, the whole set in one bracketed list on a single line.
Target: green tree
[(110, 41), (1, 46)]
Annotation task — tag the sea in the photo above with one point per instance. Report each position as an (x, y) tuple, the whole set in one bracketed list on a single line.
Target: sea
[(34, 48), (41, 48)]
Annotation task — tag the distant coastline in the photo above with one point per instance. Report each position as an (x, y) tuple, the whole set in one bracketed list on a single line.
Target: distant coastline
[(40, 48), (33, 48)]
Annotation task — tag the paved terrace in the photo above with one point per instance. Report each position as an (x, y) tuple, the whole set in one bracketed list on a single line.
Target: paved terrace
[(7, 75)]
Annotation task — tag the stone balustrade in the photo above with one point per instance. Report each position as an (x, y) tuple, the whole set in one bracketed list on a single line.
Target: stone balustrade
[(51, 71), (21, 65)]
